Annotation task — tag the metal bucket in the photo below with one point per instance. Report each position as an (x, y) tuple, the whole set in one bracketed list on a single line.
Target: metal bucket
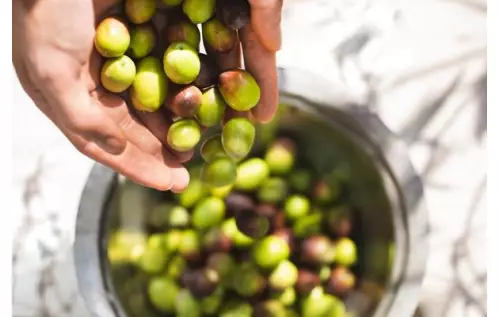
[(387, 193)]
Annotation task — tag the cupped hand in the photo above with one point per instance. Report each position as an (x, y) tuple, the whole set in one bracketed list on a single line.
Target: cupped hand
[(57, 65)]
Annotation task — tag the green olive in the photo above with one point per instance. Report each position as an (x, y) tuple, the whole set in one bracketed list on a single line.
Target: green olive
[(296, 206), (238, 136), (112, 37), (195, 191), (270, 308), (172, 240), (236, 308), (219, 172), (237, 237), (126, 246), (287, 296), (345, 252), (190, 244), (247, 281), (208, 212), (142, 41), (273, 190), (183, 135), (150, 86), (175, 267), (186, 305), (117, 74), (210, 304), (280, 157), (284, 275), (162, 293), (300, 180), (153, 260), (181, 63), (270, 251), (251, 174), (199, 11), (212, 108), (140, 11), (308, 225), (212, 148), (183, 31)]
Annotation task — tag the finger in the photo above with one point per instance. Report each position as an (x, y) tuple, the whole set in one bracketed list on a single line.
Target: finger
[(266, 21), (140, 136), (261, 63)]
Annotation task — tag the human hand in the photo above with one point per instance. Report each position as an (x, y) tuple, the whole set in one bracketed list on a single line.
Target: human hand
[(54, 57)]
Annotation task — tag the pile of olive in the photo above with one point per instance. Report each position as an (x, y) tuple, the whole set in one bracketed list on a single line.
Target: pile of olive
[(275, 242), (190, 84)]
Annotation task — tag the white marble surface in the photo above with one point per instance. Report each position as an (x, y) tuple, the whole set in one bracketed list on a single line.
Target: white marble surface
[(420, 64)]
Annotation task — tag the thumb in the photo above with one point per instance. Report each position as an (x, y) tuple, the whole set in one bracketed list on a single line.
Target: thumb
[(266, 22)]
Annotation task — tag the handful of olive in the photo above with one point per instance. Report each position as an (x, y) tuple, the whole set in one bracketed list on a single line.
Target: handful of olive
[(276, 241), (165, 68)]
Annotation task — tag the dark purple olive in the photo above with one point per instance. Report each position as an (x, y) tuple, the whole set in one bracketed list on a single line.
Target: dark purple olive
[(306, 281), (236, 202), (201, 282), (266, 210), (340, 282), (209, 72), (317, 250), (339, 221), (287, 235), (252, 224), (235, 14), (216, 241)]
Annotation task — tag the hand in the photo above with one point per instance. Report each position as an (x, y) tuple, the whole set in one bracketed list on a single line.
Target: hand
[(54, 57)]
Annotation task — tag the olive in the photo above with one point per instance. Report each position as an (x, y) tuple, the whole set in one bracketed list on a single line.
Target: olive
[(296, 206), (252, 224), (178, 217), (158, 216), (202, 282), (340, 281), (212, 148), (238, 135), (287, 296), (273, 190), (236, 308), (181, 63), (190, 245), (291, 313), (208, 213), (221, 192), (183, 30), (308, 225), (345, 252), (112, 37), (162, 292), (219, 172), (218, 37), (280, 157), (216, 241), (142, 41), (247, 281), (233, 13), (140, 11), (239, 89), (212, 108), (150, 86), (324, 273), (224, 265), (251, 174), (183, 135), (300, 180), (325, 193), (154, 259), (199, 11), (287, 235), (211, 304), (193, 193), (278, 221), (209, 73), (283, 276), (238, 238), (270, 251), (236, 202), (317, 250), (186, 305), (185, 102), (339, 221), (175, 267), (269, 308), (126, 246), (172, 240), (306, 281), (318, 304), (117, 74)]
